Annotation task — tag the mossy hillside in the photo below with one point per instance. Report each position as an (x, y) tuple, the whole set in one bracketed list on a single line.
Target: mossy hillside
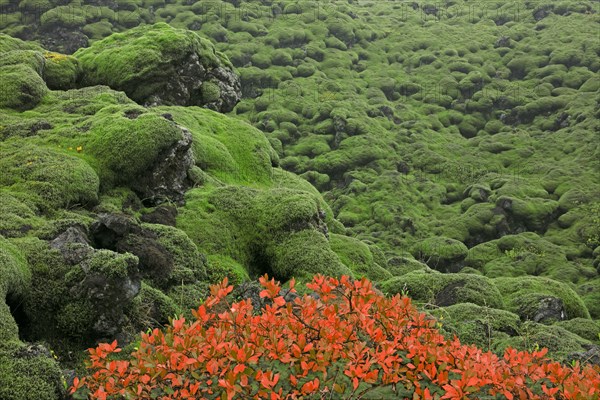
[(432, 106), (521, 295)]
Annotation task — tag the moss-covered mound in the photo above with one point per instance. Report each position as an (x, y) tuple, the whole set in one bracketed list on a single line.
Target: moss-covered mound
[(25, 371), (162, 65), (443, 290), (541, 299)]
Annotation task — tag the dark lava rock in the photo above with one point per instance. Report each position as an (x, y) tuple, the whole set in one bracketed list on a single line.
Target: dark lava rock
[(541, 308), (163, 215), (63, 40), (169, 177), (73, 244), (590, 356), (448, 295)]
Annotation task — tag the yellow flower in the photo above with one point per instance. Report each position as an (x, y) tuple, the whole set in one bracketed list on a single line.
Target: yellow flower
[(79, 149), (70, 148)]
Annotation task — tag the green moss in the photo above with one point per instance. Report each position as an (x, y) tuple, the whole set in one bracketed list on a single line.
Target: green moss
[(151, 308), (28, 373), (440, 253), (63, 16), (402, 265), (210, 92), (228, 149), (520, 293), (29, 58), (15, 278), (188, 261), (76, 317), (110, 264), (303, 254), (220, 267), (559, 341), (590, 294), (17, 217), (118, 200), (8, 43)]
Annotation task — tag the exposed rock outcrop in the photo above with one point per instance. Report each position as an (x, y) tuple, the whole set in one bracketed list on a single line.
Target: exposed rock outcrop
[(169, 177)]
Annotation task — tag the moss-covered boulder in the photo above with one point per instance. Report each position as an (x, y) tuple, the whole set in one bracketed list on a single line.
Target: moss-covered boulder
[(278, 231), (445, 289), (61, 72), (559, 341), (357, 256), (586, 328), (21, 88), (401, 265), (29, 372), (159, 64), (15, 278), (541, 299), (51, 177), (590, 294), (25, 371), (478, 325), (17, 215), (440, 253)]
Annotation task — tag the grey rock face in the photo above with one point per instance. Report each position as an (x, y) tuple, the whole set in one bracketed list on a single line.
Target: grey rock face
[(542, 308), (169, 176), (193, 84)]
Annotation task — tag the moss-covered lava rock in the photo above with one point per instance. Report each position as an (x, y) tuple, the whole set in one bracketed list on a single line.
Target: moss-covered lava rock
[(159, 64)]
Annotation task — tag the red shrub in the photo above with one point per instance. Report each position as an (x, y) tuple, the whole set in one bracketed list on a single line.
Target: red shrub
[(349, 341)]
